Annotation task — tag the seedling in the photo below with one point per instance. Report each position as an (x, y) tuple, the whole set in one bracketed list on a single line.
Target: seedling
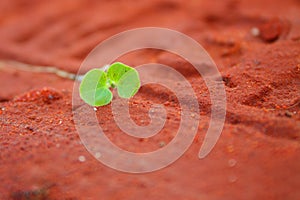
[(96, 84)]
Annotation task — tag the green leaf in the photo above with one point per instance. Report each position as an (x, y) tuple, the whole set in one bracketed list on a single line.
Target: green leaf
[(125, 78), (129, 84), (116, 71), (94, 90), (98, 97)]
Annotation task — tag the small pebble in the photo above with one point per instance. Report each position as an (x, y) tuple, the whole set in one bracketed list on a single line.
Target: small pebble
[(60, 122), (81, 158), (255, 31), (3, 108), (288, 113), (95, 109), (232, 178), (97, 155), (271, 30), (161, 144), (167, 103), (232, 162)]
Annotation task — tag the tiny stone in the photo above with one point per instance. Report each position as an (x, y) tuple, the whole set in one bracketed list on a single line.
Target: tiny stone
[(271, 30), (161, 144), (60, 122), (256, 62), (3, 108), (193, 115), (232, 162), (50, 96), (288, 113), (255, 31), (28, 128), (232, 178), (95, 109), (81, 158), (97, 155)]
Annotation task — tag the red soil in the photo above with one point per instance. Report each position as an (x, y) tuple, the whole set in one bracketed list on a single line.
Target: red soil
[(258, 154)]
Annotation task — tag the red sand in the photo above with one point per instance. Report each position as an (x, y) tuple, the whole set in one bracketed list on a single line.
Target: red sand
[(258, 154)]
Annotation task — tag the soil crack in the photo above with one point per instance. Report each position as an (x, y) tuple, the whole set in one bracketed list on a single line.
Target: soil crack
[(39, 69)]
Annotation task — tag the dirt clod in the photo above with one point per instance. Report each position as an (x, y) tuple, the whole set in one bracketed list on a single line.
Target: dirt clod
[(271, 30)]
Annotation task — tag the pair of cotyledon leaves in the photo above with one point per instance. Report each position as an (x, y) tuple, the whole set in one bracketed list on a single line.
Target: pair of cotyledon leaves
[(95, 86)]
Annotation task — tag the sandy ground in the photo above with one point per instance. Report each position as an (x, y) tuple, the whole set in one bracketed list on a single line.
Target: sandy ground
[(258, 153)]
